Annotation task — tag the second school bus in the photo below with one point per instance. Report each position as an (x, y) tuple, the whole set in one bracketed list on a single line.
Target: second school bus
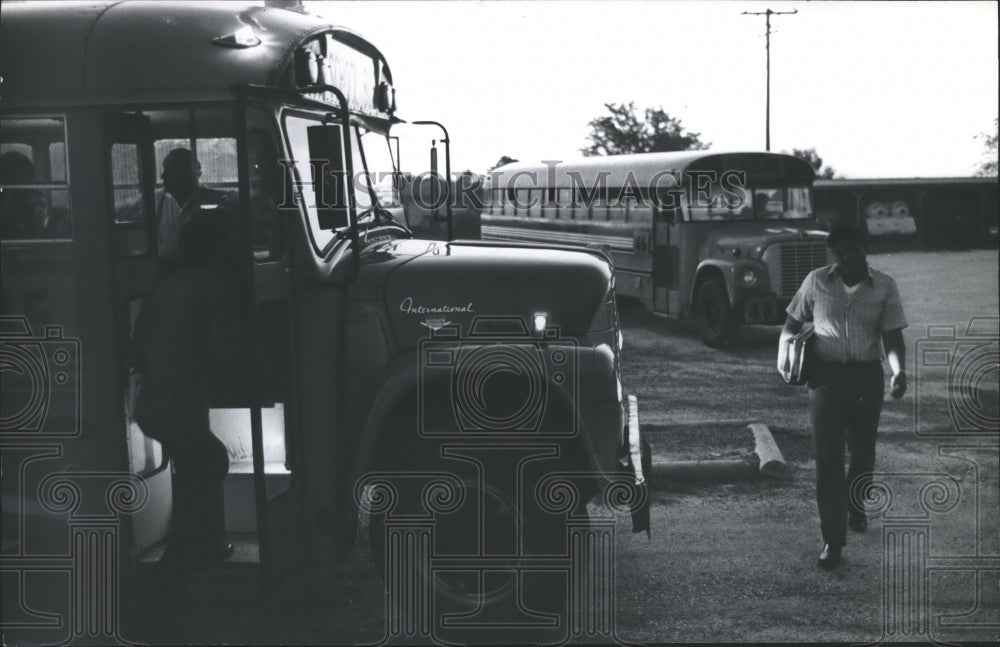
[(724, 237)]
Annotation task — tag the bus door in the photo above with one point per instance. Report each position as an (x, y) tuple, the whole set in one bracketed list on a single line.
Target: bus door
[(273, 415), (666, 294), (128, 156)]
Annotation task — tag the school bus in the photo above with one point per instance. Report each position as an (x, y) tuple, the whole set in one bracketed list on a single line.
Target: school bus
[(455, 384), (724, 237)]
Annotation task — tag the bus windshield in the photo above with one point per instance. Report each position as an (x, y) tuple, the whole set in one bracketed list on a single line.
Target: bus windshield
[(380, 165), (782, 203), (721, 202), (360, 184)]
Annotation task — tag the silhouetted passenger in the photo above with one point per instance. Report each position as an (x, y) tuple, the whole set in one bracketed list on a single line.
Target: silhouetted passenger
[(183, 321)]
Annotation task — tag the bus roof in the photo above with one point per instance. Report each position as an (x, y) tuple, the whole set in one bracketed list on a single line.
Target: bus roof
[(90, 53), (645, 166), (906, 182)]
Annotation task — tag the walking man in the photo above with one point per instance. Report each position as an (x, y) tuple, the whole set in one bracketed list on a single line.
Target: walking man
[(857, 314)]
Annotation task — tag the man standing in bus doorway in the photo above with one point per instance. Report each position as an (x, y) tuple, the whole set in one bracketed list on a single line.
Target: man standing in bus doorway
[(856, 313), (183, 321), (181, 200)]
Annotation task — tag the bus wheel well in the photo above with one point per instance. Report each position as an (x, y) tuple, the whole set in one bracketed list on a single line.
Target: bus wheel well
[(718, 321), (482, 474), (704, 274)]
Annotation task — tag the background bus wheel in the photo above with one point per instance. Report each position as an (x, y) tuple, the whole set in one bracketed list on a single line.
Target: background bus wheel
[(718, 323)]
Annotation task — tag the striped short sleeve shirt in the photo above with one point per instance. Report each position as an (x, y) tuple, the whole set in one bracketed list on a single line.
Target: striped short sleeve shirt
[(848, 326)]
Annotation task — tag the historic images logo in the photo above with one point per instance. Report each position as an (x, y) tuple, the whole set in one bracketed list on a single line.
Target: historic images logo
[(965, 361), (665, 189), (40, 379), (941, 528), (60, 557)]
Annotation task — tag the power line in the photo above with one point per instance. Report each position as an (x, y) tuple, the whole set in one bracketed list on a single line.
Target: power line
[(767, 47)]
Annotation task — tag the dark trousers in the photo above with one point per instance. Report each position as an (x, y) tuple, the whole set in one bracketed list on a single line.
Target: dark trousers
[(845, 402), (197, 525)]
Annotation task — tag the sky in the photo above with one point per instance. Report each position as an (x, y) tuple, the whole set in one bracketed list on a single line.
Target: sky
[(878, 89)]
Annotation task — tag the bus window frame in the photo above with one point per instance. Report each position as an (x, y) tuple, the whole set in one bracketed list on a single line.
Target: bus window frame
[(311, 221), (262, 125), (65, 185), (352, 150)]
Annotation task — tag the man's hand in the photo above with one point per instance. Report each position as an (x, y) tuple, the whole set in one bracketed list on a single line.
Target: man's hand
[(897, 385), (895, 352)]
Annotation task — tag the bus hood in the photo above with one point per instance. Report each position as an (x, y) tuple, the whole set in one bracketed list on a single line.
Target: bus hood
[(752, 235), (494, 290)]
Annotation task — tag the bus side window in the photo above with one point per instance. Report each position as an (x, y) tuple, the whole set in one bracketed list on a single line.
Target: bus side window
[(34, 192), (641, 209), (550, 208), (535, 200), (216, 161), (126, 178), (130, 205), (619, 204), (564, 198), (583, 204), (604, 200), (523, 200)]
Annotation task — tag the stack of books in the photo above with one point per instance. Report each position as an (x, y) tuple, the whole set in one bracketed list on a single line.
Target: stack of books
[(798, 349)]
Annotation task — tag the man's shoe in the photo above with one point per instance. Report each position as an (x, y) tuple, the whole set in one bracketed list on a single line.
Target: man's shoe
[(830, 556), (857, 521)]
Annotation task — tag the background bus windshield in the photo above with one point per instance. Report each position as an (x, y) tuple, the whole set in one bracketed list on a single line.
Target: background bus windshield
[(750, 203)]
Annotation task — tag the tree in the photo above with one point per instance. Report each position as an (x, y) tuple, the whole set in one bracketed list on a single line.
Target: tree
[(810, 155), (624, 131), (989, 165)]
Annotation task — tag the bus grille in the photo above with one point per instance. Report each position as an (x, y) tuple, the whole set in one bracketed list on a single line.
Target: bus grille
[(797, 260)]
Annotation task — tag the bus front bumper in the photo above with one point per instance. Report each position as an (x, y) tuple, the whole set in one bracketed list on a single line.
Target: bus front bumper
[(640, 467)]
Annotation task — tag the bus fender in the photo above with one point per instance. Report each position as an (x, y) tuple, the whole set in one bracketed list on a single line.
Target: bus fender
[(712, 268), (400, 381)]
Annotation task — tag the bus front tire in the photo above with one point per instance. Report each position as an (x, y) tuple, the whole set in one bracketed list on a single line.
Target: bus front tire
[(718, 322), (496, 593)]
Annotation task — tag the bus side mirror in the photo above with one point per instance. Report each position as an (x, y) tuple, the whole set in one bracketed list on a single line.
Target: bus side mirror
[(326, 154)]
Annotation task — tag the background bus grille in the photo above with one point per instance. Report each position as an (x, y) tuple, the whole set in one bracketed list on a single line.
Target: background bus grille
[(797, 260)]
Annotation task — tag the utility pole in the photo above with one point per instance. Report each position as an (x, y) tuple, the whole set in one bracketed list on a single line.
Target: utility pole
[(767, 47)]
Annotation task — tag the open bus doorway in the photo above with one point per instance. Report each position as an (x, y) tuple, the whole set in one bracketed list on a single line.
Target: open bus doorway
[(249, 373)]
